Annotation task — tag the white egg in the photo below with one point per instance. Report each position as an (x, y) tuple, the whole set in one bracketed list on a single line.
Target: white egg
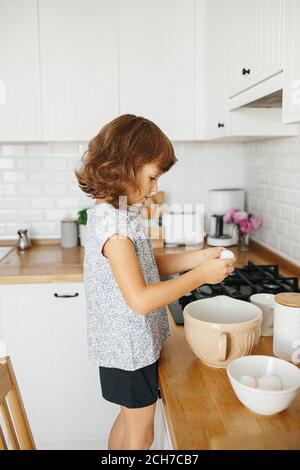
[(226, 254), (269, 382), (249, 380)]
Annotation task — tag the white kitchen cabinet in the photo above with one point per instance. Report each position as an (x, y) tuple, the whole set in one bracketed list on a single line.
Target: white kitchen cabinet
[(79, 70), (162, 439), (244, 123), (20, 95), (45, 336), (255, 42), (157, 63), (291, 88)]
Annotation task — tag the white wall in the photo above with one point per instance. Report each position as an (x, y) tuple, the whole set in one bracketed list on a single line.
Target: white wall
[(38, 186), (272, 176)]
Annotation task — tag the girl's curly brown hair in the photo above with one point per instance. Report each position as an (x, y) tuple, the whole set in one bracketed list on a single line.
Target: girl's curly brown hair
[(118, 152)]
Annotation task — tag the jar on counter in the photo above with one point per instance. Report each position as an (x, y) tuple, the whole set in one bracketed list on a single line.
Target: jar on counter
[(69, 233), (286, 334)]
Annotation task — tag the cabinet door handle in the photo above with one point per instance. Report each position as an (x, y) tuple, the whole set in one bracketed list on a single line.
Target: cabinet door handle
[(66, 295), (246, 71), (220, 124)]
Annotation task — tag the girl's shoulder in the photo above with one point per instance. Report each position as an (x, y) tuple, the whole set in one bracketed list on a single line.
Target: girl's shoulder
[(107, 210)]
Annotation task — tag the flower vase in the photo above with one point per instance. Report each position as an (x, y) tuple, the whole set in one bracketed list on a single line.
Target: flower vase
[(243, 243)]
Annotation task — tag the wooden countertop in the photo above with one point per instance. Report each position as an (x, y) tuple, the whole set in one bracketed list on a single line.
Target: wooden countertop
[(199, 402), (45, 262), (42, 263)]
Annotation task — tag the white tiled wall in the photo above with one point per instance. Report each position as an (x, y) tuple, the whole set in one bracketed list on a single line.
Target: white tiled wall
[(272, 170), (38, 187)]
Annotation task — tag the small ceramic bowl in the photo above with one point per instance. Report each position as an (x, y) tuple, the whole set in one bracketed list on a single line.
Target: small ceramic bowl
[(264, 402)]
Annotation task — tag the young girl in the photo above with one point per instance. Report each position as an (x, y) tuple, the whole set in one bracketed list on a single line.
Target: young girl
[(127, 322)]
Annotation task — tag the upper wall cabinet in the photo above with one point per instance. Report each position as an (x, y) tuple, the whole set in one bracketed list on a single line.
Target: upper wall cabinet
[(78, 67), (157, 63), (245, 123), (20, 105), (291, 89), (255, 42)]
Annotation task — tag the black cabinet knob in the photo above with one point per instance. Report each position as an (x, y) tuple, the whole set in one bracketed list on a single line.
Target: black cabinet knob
[(220, 124), (246, 71)]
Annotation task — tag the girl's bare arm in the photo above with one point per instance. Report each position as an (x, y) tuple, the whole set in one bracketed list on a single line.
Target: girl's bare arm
[(142, 298), (172, 263)]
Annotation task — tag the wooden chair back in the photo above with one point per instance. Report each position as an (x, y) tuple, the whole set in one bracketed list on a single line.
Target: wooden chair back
[(13, 412)]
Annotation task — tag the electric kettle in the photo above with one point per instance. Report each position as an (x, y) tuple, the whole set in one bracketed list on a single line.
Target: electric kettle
[(23, 242)]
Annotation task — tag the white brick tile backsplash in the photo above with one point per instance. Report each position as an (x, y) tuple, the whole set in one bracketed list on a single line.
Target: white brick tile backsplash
[(280, 226), (38, 187), (296, 252), (274, 240), (296, 163), (7, 189), (293, 232), (42, 202), (286, 179), (31, 215), (290, 146), (268, 222), (41, 177), (12, 150), (44, 229), (83, 146), (28, 163), (14, 177), (68, 202), (274, 177), (64, 176), (40, 150), (296, 182), (285, 246), (65, 148), (56, 163), (54, 215), (284, 164), (12, 202), (6, 163), (55, 189), (8, 215), (294, 198), (287, 213), (29, 189), (11, 230)]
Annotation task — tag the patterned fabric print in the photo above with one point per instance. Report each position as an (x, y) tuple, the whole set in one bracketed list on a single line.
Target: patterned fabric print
[(117, 336)]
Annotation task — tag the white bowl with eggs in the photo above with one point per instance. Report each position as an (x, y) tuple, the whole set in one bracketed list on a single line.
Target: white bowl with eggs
[(264, 384)]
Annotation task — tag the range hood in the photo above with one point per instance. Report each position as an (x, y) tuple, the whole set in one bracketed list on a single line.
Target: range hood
[(274, 100)]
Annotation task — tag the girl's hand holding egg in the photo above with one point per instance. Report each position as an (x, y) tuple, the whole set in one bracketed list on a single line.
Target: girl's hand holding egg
[(227, 254)]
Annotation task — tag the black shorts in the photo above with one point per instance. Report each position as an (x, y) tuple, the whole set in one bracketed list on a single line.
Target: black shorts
[(133, 389)]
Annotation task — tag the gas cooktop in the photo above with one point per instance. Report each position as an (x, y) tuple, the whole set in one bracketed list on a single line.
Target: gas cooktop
[(240, 284)]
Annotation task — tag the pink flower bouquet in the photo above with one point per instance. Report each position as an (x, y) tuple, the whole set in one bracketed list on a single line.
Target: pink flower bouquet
[(245, 222)]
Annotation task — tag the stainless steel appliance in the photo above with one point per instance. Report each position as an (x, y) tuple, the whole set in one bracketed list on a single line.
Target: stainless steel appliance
[(221, 201)]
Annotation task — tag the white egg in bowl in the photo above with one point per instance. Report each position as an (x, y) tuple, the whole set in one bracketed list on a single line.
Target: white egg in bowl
[(266, 385)]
